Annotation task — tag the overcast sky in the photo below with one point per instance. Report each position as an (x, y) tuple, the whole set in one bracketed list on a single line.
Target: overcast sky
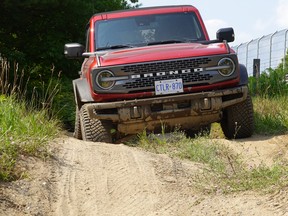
[(250, 19)]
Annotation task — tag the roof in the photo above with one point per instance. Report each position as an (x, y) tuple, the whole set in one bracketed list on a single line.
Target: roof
[(144, 10)]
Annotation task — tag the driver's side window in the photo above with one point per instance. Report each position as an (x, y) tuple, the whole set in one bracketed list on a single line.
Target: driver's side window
[(87, 48)]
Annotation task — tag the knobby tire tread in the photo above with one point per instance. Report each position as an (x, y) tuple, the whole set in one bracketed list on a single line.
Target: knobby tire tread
[(77, 131), (94, 129), (238, 120)]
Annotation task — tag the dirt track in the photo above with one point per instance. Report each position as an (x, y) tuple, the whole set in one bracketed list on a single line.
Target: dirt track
[(101, 179)]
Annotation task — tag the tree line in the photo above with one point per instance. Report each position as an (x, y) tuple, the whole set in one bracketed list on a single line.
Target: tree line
[(33, 34)]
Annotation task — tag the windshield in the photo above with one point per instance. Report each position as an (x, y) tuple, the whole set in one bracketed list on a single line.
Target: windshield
[(148, 30)]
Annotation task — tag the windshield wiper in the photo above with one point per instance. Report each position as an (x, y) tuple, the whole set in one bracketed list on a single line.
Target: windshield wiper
[(185, 40), (165, 42), (114, 47)]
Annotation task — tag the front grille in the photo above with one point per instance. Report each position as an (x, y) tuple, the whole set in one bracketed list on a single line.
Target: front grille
[(146, 82), (166, 65), (149, 81)]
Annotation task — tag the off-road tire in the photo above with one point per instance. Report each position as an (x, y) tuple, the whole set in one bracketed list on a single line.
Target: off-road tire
[(94, 130), (77, 129), (238, 120)]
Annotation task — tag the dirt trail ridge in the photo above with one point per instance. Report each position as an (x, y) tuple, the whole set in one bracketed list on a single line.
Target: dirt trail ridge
[(88, 178)]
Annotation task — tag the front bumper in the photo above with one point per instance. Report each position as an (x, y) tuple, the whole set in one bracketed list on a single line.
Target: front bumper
[(191, 110)]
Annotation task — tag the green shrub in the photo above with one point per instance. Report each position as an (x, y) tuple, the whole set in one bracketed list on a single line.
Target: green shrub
[(271, 83)]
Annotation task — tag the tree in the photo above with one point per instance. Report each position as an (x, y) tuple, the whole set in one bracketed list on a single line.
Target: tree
[(33, 32)]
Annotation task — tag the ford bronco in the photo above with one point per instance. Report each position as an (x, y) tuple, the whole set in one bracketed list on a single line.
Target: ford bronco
[(148, 67)]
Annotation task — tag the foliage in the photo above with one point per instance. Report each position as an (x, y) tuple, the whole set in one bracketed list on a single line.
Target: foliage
[(64, 103), (270, 92), (33, 32), (271, 83)]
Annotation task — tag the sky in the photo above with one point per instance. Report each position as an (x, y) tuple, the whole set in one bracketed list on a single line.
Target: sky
[(251, 19)]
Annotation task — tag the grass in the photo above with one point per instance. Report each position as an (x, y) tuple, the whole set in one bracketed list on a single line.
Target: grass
[(25, 128), (270, 101), (271, 115), (224, 171)]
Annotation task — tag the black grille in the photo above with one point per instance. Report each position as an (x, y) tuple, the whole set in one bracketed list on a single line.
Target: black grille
[(166, 65), (149, 81), (177, 65)]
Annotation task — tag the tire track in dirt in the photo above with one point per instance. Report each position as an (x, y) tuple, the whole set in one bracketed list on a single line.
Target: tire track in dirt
[(117, 180), (126, 187), (278, 202), (104, 179), (87, 178)]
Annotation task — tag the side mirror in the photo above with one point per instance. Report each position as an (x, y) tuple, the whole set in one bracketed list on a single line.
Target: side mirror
[(73, 50), (226, 34)]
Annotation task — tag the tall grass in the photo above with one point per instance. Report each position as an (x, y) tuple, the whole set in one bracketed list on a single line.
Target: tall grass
[(270, 101), (271, 115), (25, 127), (10, 83)]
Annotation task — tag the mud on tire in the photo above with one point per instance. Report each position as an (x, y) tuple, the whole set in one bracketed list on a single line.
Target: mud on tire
[(238, 120), (94, 129)]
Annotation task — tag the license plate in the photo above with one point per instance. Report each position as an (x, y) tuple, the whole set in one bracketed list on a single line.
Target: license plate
[(172, 86)]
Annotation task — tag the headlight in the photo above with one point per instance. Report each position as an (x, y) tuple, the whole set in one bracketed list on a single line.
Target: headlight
[(226, 67), (103, 81)]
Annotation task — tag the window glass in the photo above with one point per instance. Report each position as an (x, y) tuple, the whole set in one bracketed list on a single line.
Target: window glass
[(140, 30), (87, 40)]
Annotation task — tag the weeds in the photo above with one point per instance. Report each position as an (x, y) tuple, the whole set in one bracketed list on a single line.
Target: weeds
[(24, 130), (271, 115), (270, 84), (224, 171), (10, 84), (270, 101)]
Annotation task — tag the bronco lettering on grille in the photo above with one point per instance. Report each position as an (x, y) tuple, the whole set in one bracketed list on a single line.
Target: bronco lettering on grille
[(184, 71)]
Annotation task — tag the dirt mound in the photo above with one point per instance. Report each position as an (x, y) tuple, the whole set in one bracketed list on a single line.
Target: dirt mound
[(88, 178)]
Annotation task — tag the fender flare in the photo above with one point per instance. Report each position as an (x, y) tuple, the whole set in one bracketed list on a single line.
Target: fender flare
[(81, 92), (243, 75)]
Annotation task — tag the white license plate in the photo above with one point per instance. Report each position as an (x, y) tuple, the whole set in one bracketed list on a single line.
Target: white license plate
[(172, 86)]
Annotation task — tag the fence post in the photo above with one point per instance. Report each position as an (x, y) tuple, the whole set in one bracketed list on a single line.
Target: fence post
[(285, 49), (258, 46), (247, 55), (256, 68), (256, 74), (270, 55)]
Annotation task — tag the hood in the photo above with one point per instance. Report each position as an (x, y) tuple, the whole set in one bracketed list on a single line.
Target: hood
[(160, 53)]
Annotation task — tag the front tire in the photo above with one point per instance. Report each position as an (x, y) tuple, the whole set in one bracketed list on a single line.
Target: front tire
[(238, 120), (77, 130), (94, 130)]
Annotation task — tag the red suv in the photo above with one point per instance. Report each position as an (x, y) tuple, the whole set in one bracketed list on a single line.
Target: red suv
[(148, 67)]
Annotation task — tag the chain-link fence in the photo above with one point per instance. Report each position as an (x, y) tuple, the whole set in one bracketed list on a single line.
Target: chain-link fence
[(270, 49)]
